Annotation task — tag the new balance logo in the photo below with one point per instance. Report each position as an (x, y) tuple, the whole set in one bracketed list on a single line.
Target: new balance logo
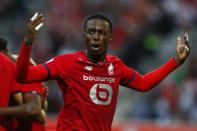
[(89, 68)]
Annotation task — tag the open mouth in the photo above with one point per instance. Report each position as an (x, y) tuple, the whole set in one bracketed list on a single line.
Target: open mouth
[(95, 47)]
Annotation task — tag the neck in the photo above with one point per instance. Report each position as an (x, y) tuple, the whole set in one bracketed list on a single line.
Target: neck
[(94, 57)]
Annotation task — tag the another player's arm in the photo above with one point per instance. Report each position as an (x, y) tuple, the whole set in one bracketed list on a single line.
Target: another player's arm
[(151, 79), (18, 97), (30, 108), (44, 98), (44, 106)]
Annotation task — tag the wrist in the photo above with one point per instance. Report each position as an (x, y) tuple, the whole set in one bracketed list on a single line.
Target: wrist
[(178, 62), (27, 42)]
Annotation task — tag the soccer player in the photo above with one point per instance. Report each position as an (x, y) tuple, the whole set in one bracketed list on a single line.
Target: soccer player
[(31, 116), (8, 83), (90, 79)]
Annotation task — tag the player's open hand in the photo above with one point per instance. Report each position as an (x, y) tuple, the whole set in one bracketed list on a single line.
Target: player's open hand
[(182, 49), (34, 24)]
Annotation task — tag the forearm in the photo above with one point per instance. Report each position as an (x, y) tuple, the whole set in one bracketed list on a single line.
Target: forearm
[(41, 118), (150, 80), (45, 105), (24, 110), (23, 62), (26, 73)]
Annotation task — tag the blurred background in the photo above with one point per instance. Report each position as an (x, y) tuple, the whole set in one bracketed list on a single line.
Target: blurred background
[(144, 37)]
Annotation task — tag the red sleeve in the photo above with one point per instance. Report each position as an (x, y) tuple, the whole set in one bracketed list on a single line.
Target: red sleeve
[(59, 66), (26, 73), (35, 88), (151, 79), (16, 88)]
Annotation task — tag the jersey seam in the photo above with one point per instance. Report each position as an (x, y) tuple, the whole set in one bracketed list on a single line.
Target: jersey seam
[(127, 83), (48, 70)]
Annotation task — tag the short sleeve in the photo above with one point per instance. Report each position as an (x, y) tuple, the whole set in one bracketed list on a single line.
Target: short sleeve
[(34, 88), (7, 75), (16, 88), (127, 74), (58, 66)]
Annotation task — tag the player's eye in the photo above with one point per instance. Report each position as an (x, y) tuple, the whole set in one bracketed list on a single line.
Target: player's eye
[(102, 32), (91, 31)]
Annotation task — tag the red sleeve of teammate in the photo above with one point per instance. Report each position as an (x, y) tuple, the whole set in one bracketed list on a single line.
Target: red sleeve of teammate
[(133, 79), (35, 88), (16, 88), (26, 73)]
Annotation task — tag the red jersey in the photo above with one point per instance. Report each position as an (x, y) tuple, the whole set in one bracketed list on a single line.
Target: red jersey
[(90, 90), (28, 124), (7, 84)]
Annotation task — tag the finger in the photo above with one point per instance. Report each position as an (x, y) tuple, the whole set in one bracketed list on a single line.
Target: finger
[(187, 46), (35, 16), (178, 41), (38, 20), (38, 23), (39, 26), (187, 49)]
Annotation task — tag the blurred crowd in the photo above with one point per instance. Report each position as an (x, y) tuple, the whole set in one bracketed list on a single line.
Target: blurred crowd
[(144, 37)]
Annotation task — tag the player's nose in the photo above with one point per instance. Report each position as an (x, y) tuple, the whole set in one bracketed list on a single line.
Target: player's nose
[(96, 37)]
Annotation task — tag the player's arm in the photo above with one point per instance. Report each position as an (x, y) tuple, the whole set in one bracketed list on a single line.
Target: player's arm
[(151, 79), (18, 97), (44, 102), (41, 118), (32, 107), (24, 72)]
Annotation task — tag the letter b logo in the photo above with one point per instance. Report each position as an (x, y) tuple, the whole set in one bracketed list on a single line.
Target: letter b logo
[(101, 94)]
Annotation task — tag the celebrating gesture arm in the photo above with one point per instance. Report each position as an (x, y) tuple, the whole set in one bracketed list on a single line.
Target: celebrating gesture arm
[(24, 72), (148, 81), (182, 50), (32, 28)]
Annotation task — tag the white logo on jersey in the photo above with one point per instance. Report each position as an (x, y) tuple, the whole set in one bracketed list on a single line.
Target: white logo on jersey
[(89, 68), (110, 69), (101, 94), (98, 78)]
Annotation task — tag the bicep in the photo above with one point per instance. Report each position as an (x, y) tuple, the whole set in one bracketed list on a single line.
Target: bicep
[(18, 97), (33, 99)]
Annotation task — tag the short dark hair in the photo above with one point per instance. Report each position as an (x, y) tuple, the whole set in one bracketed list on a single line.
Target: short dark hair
[(98, 16), (3, 44)]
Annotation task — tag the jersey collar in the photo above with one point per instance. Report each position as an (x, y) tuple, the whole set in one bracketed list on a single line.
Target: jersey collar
[(99, 62)]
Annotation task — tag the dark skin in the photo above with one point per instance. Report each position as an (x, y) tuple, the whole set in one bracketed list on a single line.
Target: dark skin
[(30, 105), (97, 36)]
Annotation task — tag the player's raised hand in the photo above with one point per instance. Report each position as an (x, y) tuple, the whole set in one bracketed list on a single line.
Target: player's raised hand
[(182, 49), (33, 25)]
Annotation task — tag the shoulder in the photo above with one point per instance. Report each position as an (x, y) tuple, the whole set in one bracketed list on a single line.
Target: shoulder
[(63, 58), (113, 59), (5, 60)]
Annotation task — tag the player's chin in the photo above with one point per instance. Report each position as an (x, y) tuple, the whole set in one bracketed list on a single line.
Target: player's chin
[(96, 53)]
